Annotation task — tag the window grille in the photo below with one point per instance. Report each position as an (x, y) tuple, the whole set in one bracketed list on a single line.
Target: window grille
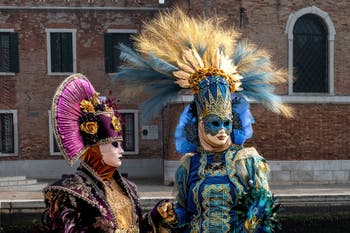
[(7, 137), (310, 55), (128, 132)]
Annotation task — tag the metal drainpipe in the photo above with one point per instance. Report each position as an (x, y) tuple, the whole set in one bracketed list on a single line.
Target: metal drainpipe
[(162, 141)]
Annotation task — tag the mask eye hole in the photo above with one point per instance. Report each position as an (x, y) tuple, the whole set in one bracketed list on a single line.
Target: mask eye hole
[(215, 123), (115, 144), (226, 123)]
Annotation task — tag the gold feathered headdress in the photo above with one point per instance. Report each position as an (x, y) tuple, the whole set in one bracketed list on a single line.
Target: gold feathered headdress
[(177, 51)]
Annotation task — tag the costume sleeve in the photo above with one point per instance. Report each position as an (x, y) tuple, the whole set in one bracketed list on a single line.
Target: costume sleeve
[(256, 207), (61, 214), (258, 173), (181, 177)]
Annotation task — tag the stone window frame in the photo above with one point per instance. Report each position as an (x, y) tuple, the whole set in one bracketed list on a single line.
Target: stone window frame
[(293, 17), (74, 48), (52, 137), (135, 112), (15, 129)]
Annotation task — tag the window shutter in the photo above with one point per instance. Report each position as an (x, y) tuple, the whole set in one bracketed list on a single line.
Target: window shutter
[(67, 52), (55, 52), (14, 58), (109, 53)]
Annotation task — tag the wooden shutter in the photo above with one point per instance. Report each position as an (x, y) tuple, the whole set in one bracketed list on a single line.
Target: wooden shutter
[(55, 44), (67, 52), (14, 58)]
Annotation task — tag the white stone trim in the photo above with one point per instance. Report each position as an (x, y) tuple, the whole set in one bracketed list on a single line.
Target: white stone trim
[(7, 30), (286, 172), (292, 99), (15, 133), (296, 99), (7, 73), (55, 168), (74, 47), (52, 137), (136, 129), (293, 17), (310, 172), (121, 30), (81, 8)]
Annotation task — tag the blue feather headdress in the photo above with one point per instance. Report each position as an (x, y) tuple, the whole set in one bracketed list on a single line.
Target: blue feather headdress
[(176, 51)]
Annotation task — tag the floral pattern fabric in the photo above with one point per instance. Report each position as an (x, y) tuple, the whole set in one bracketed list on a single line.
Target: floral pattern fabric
[(78, 203)]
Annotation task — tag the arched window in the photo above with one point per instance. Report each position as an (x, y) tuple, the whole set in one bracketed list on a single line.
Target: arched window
[(310, 55), (311, 36)]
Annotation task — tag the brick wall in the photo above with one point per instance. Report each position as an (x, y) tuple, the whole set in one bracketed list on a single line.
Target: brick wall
[(319, 131), (31, 90)]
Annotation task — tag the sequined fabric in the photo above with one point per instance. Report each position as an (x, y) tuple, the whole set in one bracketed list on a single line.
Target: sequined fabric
[(120, 204)]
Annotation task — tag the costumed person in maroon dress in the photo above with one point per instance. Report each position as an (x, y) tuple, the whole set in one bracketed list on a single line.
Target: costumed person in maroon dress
[(222, 186), (96, 198)]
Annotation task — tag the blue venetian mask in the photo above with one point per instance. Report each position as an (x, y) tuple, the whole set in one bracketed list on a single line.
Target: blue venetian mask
[(213, 124)]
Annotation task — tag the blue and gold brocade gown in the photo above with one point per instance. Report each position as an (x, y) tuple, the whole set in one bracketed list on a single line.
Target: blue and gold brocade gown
[(208, 185)]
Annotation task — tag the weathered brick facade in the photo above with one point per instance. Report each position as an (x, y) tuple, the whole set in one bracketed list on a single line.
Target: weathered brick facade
[(320, 130)]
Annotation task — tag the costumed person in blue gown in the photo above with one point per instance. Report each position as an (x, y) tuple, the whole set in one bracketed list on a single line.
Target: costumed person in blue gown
[(221, 185), (96, 198)]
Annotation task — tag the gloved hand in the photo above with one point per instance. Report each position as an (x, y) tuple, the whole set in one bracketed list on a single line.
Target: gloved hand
[(163, 211)]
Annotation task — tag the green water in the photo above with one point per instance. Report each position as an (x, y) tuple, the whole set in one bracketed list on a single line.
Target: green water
[(310, 223)]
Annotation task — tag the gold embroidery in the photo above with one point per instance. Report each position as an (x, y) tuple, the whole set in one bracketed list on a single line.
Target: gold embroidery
[(120, 204), (131, 229), (203, 73), (195, 191), (217, 202)]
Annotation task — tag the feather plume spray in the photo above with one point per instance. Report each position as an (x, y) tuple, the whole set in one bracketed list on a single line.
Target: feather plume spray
[(170, 47), (177, 51), (259, 76), (138, 70)]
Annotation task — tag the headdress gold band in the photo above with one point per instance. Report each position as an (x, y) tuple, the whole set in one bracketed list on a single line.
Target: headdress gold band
[(205, 72)]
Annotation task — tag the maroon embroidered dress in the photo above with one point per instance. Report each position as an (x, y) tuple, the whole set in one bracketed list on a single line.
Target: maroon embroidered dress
[(78, 203), (96, 198)]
